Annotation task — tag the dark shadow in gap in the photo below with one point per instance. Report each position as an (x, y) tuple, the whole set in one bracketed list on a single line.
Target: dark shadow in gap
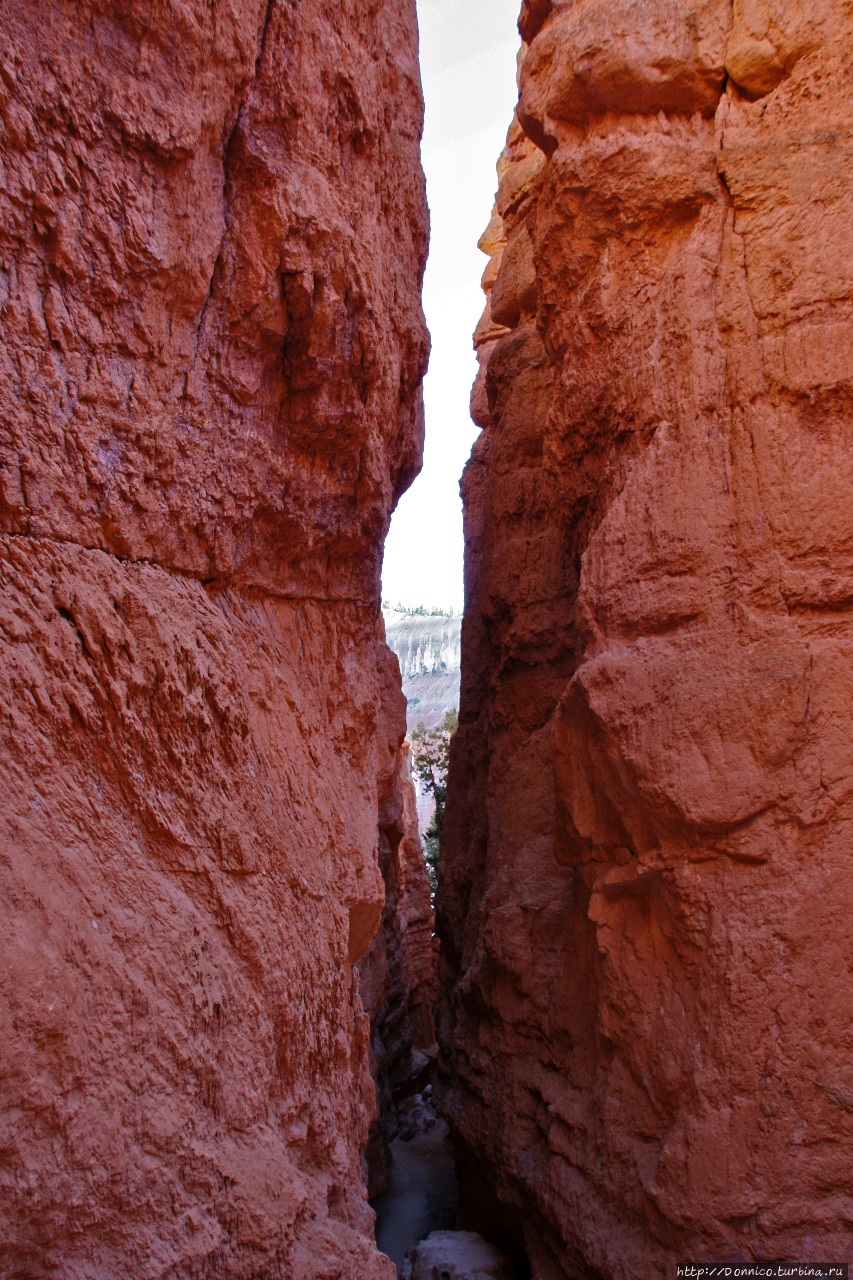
[(422, 1195)]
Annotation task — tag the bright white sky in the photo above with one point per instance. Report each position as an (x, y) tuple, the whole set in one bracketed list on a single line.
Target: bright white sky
[(468, 52)]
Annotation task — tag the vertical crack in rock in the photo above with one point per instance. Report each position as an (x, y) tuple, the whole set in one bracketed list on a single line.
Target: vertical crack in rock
[(643, 912), (226, 168), (201, 724), (398, 975)]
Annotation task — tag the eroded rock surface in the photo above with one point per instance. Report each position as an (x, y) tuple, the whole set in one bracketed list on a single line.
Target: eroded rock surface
[(212, 233), (645, 910)]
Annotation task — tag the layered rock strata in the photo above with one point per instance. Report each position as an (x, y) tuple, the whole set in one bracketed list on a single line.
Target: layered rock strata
[(429, 650), (213, 228), (645, 909)]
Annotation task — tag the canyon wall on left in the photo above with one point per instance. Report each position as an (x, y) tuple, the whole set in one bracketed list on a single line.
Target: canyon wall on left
[(212, 235)]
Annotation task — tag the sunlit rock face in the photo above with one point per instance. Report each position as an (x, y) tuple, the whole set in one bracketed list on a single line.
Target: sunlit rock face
[(429, 650), (213, 229), (645, 907)]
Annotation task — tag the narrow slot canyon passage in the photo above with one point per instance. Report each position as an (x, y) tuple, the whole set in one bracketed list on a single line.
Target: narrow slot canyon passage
[(579, 1007), (422, 1195), (640, 996), (469, 88)]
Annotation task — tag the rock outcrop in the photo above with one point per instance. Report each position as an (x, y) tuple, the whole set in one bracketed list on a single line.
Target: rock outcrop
[(645, 909), (429, 650), (213, 228)]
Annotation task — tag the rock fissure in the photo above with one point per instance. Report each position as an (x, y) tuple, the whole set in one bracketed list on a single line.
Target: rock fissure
[(226, 172)]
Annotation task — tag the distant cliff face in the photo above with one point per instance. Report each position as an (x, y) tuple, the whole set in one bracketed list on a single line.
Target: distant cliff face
[(212, 235), (429, 650), (645, 908)]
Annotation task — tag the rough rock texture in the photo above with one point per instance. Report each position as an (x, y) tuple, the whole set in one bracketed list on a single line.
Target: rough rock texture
[(645, 908), (398, 974), (213, 226)]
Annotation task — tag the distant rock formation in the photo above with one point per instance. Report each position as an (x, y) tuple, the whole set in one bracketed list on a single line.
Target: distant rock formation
[(646, 907), (213, 230), (429, 650)]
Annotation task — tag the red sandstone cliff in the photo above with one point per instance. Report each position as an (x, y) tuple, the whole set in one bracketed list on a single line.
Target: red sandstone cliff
[(212, 233), (645, 909)]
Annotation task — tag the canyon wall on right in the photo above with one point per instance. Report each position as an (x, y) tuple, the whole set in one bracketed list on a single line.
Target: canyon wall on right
[(646, 899)]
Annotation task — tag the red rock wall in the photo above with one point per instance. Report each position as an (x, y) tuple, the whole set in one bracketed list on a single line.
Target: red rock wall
[(212, 233), (645, 908)]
